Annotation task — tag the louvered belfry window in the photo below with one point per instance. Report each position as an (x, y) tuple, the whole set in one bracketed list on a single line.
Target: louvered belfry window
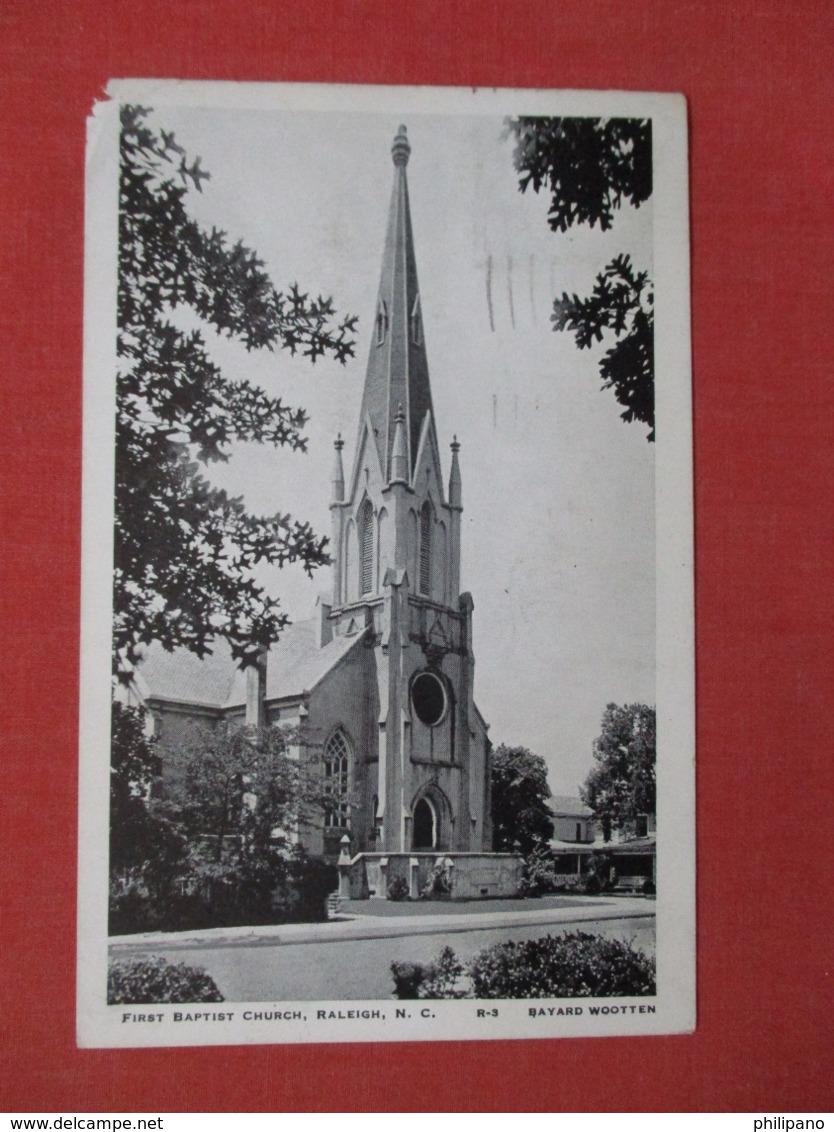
[(425, 548), (366, 535), (336, 783)]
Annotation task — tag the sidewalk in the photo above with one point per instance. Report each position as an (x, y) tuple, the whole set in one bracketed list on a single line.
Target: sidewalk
[(359, 926)]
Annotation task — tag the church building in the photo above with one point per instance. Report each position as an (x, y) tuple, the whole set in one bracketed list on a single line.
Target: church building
[(380, 681)]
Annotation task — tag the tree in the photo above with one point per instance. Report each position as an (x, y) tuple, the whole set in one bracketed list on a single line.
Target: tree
[(209, 840), (590, 166), (184, 549), (239, 796), (621, 786), (238, 790), (521, 817), (147, 849)]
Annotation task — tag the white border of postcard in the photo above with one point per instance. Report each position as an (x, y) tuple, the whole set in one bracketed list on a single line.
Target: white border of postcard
[(673, 1009)]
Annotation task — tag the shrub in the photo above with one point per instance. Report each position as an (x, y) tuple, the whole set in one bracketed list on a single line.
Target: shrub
[(439, 882), (281, 889), (574, 965), (649, 887), (442, 977), (398, 889), (439, 979), (408, 978), (600, 866), (540, 876), (156, 980)]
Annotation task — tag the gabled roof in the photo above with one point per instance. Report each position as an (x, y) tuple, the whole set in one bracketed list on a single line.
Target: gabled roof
[(567, 806), (294, 666)]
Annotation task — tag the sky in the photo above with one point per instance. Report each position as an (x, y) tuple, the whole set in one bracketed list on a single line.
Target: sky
[(558, 528)]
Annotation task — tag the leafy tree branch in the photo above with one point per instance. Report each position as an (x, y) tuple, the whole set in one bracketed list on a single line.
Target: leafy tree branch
[(591, 167), (184, 549), (622, 302)]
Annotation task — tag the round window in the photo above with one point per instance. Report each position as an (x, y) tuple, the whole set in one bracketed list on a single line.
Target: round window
[(428, 697)]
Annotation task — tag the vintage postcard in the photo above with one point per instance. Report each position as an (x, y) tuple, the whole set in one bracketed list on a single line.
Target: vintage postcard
[(387, 700)]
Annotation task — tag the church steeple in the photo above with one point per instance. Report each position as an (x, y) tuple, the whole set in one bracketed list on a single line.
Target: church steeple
[(398, 372), (392, 518), (396, 580)]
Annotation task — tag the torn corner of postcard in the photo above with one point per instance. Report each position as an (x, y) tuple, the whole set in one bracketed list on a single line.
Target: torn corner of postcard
[(357, 411)]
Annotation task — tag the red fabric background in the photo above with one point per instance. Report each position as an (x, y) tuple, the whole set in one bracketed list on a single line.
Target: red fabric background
[(758, 79)]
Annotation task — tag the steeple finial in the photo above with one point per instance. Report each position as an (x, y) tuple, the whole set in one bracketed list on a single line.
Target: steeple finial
[(399, 460), (455, 489), (337, 480), (400, 149)]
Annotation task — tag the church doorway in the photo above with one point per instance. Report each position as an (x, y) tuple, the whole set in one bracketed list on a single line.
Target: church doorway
[(425, 825)]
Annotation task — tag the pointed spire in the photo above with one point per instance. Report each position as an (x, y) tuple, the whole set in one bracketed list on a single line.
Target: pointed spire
[(337, 479), (455, 492), (400, 149), (398, 372), (399, 459)]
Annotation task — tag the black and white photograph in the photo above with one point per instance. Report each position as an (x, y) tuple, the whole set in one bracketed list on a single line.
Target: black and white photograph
[(387, 682)]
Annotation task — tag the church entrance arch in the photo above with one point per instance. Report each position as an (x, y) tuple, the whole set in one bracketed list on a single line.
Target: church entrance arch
[(431, 819), (425, 825)]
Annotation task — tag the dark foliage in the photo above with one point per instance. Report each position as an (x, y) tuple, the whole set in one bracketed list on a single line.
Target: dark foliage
[(573, 965), (540, 875), (439, 979), (590, 167), (148, 981), (408, 978), (185, 550), (521, 817), (622, 301), (398, 889), (621, 785), (212, 849), (148, 851), (599, 873), (438, 883)]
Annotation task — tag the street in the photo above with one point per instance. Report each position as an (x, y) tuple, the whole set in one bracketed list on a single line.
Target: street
[(352, 959)]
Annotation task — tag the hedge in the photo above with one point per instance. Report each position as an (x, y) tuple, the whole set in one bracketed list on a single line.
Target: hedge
[(154, 980)]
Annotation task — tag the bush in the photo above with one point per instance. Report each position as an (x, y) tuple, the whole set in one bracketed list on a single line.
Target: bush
[(439, 882), (601, 866), (649, 887), (156, 980), (408, 978), (398, 889), (440, 979), (575, 965), (280, 890), (540, 876)]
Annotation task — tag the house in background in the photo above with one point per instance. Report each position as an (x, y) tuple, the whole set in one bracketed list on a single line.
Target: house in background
[(575, 840), (574, 833)]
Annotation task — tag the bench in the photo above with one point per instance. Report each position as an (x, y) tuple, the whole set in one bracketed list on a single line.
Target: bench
[(630, 884)]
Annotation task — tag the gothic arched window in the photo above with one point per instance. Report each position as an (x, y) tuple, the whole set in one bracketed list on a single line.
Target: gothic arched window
[(336, 781), (366, 548), (416, 323), (425, 548), (381, 322)]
